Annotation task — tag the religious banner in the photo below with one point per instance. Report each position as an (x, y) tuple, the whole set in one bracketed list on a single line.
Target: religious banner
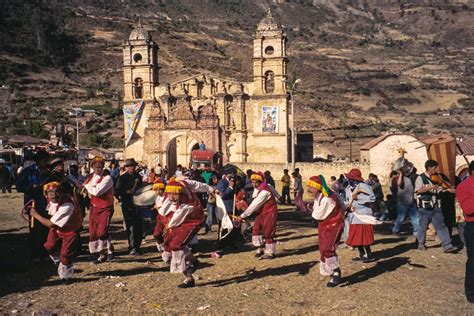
[(269, 119), (132, 114)]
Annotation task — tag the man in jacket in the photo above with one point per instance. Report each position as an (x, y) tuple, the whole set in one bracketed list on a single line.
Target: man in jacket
[(126, 186)]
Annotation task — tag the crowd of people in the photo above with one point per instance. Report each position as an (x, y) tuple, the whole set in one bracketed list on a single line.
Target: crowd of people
[(345, 208)]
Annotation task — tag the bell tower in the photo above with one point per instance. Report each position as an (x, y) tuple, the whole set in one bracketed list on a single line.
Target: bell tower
[(140, 65), (269, 57)]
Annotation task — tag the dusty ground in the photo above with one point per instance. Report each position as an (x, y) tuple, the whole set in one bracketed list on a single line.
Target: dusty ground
[(401, 281)]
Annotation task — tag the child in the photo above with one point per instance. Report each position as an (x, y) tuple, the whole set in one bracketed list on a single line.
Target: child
[(65, 221)]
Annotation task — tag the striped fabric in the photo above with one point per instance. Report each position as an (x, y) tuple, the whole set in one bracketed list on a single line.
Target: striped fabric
[(442, 148)]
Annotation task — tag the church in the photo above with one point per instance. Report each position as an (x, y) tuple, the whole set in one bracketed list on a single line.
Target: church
[(244, 122)]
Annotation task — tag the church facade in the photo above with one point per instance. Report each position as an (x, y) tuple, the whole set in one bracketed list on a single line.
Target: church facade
[(244, 121)]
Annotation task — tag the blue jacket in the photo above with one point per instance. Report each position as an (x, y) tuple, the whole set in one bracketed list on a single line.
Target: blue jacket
[(25, 181), (227, 194)]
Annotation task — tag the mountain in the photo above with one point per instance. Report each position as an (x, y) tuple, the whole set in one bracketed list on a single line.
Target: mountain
[(366, 66)]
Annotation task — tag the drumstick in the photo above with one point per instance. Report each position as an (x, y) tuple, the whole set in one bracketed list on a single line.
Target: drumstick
[(233, 207), (32, 224)]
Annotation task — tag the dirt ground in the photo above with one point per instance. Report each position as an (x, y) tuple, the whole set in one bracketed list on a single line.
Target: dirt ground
[(402, 280)]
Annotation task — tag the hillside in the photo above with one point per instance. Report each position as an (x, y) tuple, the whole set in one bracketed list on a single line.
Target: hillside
[(365, 66)]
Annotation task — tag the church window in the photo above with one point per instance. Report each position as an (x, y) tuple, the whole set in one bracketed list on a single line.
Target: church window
[(269, 50), (137, 58), (269, 81), (138, 88)]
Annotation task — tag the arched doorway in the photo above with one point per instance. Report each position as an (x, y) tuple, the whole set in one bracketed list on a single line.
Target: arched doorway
[(179, 152)]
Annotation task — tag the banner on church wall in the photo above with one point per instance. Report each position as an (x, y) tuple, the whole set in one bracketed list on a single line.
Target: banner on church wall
[(269, 119), (132, 114)]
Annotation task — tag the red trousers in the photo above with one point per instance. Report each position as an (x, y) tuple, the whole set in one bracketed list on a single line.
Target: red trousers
[(99, 222), (159, 230), (265, 224), (329, 235), (67, 242), (177, 237)]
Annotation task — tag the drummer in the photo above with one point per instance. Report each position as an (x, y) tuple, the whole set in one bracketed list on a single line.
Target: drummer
[(127, 184)]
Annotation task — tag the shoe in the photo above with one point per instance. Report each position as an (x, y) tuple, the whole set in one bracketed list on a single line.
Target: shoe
[(422, 247), (335, 279), (258, 254), (134, 252), (267, 257), (366, 259), (99, 260), (110, 257), (186, 284), (451, 249), (358, 258)]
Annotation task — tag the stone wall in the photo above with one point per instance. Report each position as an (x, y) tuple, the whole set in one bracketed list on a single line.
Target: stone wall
[(307, 169)]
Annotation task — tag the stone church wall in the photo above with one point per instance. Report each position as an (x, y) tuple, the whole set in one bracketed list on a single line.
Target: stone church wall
[(307, 169)]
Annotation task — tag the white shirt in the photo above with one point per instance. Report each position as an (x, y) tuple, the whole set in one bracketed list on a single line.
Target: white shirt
[(52, 208), (260, 199), (159, 201), (62, 215), (180, 213), (322, 207), (97, 189)]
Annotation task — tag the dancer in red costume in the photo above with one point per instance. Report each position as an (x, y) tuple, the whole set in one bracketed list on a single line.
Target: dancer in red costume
[(101, 188), (264, 227), (65, 221), (329, 212), (184, 217), (161, 219)]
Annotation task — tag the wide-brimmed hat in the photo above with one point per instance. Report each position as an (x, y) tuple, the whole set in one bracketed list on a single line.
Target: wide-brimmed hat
[(130, 162), (56, 161), (355, 174), (41, 155)]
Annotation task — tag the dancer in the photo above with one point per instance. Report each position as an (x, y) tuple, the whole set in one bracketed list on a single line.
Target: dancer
[(101, 188), (65, 221), (361, 234), (329, 212), (162, 219), (186, 217), (264, 227)]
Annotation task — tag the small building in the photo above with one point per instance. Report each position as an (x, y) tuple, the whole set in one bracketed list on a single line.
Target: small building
[(382, 151)]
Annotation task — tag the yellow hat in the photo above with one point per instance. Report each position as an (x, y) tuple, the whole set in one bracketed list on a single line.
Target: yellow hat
[(50, 186), (97, 159), (174, 187), (158, 184), (257, 176)]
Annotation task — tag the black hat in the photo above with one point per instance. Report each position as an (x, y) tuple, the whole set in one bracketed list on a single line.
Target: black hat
[(41, 155), (56, 161), (230, 169), (130, 162)]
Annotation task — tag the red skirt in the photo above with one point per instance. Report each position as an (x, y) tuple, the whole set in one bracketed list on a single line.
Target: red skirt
[(360, 235)]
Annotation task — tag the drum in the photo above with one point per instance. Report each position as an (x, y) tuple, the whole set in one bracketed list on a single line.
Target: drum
[(145, 196)]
